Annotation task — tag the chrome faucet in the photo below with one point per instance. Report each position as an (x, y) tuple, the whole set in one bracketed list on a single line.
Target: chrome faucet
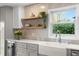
[(58, 34)]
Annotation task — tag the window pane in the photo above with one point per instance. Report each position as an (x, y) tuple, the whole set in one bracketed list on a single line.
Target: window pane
[(63, 21)]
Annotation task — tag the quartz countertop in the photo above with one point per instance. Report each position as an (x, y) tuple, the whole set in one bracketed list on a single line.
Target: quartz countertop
[(49, 44)]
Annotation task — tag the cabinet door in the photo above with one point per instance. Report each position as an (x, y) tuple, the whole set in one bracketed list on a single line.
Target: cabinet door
[(33, 49), (32, 46), (21, 49), (32, 52), (26, 49)]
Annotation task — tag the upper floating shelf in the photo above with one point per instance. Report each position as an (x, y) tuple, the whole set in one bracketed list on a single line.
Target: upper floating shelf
[(32, 18)]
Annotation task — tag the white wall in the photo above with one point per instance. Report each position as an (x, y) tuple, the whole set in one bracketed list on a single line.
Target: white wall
[(77, 23), (35, 9), (6, 15)]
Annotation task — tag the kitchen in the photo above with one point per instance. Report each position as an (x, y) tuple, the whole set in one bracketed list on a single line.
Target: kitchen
[(37, 39)]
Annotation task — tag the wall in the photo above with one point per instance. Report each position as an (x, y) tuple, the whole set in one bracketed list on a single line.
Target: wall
[(6, 15), (42, 34), (36, 8)]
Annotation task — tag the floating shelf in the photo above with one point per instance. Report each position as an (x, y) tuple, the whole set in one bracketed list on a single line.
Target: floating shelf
[(33, 23), (35, 27), (32, 18)]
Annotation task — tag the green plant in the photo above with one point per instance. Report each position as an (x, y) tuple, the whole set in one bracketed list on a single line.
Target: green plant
[(64, 28), (43, 14), (18, 34)]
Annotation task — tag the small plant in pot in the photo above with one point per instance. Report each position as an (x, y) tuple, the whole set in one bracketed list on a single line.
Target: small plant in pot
[(43, 15), (18, 34)]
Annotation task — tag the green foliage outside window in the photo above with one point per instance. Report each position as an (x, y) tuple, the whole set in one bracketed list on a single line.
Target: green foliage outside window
[(64, 28)]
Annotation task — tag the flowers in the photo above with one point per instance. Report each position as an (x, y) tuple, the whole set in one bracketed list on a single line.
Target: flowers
[(18, 34)]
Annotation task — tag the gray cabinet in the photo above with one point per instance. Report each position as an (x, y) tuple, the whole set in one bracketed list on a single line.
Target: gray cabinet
[(26, 49), (21, 49), (33, 49)]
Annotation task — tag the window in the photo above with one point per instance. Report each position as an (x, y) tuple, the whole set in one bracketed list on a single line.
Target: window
[(62, 21)]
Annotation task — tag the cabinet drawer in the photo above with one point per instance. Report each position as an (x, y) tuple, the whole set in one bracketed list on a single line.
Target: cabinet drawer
[(21, 45), (21, 49), (33, 52), (22, 54), (32, 46)]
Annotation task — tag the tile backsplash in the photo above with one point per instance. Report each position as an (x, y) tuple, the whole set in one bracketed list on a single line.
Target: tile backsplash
[(36, 33)]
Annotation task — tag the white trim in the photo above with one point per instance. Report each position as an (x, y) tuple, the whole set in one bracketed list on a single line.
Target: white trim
[(50, 35), (2, 40), (67, 7)]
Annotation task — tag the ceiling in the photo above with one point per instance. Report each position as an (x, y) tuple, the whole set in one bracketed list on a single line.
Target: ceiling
[(15, 4)]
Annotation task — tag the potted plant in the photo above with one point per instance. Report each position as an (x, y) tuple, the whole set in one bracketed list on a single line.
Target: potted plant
[(43, 15), (18, 34)]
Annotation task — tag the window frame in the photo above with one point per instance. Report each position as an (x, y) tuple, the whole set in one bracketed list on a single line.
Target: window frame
[(53, 35)]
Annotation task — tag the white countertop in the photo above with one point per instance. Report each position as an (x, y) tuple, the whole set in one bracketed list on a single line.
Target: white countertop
[(50, 44)]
